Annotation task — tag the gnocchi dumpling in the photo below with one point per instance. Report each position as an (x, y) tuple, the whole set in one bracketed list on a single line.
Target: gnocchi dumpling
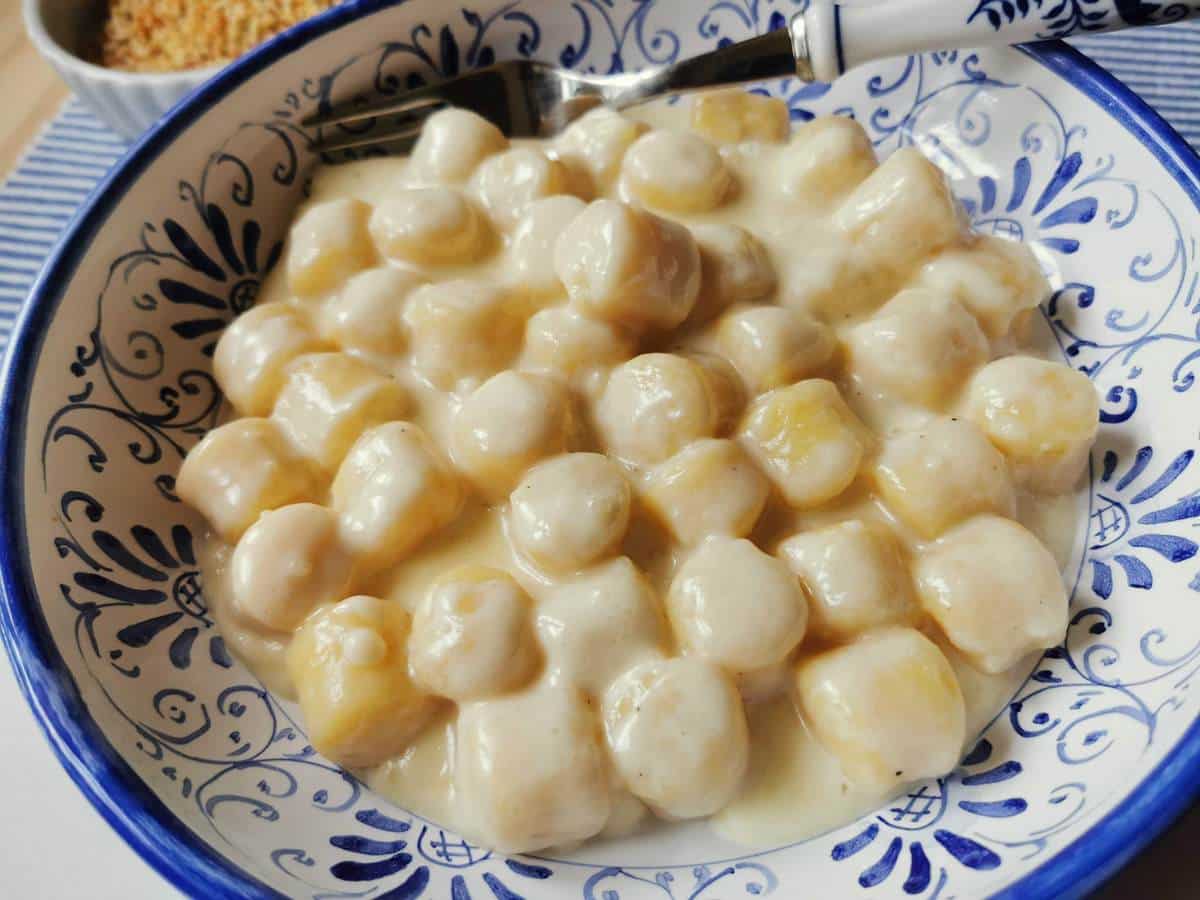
[(735, 606), (677, 733), (600, 623), (726, 389), (734, 116), (241, 470), (508, 183), (328, 399), (806, 439), (628, 266), (255, 349), (510, 422), (1042, 416), (653, 406), (676, 171), (563, 341), (854, 576), (365, 314), (920, 347), (328, 244), (735, 267), (594, 145), (433, 226), (773, 346), (710, 487), (887, 706), (350, 669), (461, 331), (452, 144), (530, 770), (902, 213), (472, 635), (995, 590), (287, 564), (826, 158), (570, 511), (938, 475), (995, 279), (531, 254), (392, 491)]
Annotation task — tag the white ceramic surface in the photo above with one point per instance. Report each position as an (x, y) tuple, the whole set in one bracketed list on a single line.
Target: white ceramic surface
[(129, 102), (207, 776)]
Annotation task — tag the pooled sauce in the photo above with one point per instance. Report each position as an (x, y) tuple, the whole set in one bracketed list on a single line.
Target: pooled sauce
[(795, 786)]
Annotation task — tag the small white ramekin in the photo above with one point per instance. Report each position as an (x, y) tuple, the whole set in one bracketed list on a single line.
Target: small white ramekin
[(129, 102)]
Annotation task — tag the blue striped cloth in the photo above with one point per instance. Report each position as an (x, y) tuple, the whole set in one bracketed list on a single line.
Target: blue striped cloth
[(75, 150)]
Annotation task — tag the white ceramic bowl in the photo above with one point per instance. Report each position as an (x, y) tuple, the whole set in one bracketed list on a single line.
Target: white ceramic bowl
[(129, 102), (107, 383)]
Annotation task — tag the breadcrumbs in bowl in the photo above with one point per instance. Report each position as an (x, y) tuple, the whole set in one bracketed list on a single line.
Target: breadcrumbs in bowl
[(175, 35)]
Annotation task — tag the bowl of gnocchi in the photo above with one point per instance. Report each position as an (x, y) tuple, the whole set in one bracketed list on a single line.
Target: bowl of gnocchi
[(753, 493)]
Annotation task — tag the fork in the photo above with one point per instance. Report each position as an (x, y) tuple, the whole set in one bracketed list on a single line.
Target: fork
[(532, 99)]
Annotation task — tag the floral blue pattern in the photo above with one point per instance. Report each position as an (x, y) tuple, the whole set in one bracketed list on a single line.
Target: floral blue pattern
[(1063, 18), (139, 394)]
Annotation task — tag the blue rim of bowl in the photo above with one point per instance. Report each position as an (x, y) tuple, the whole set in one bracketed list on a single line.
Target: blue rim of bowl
[(128, 804)]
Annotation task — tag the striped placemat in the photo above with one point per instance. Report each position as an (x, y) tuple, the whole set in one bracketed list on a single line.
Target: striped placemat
[(75, 150)]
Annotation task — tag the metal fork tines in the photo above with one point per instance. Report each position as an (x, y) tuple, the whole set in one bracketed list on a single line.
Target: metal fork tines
[(531, 99)]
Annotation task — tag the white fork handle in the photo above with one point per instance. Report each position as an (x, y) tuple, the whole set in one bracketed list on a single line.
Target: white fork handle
[(840, 37)]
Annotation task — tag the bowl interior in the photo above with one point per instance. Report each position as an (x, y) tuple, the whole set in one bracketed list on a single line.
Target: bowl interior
[(109, 383), (76, 26)]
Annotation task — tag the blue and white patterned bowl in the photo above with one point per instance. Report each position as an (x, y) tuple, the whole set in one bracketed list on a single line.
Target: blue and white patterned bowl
[(107, 383)]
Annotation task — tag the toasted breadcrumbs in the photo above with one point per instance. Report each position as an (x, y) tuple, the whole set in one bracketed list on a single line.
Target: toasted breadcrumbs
[(171, 35)]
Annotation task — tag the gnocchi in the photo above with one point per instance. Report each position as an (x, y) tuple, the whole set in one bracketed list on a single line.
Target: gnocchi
[(252, 355), (653, 406), (919, 348), (570, 511), (349, 665), (287, 564), (676, 172), (888, 706), (735, 606), (626, 265), (241, 470), (327, 401), (392, 491), (509, 183), (472, 636), (806, 439), (773, 346), (678, 736), (433, 226), (510, 422), (735, 267), (854, 576), (452, 144), (664, 468), (462, 332), (328, 244), (995, 590), (995, 279), (599, 623), (936, 476), (532, 249), (710, 487), (1043, 417), (826, 159), (731, 117), (532, 769), (365, 314)]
